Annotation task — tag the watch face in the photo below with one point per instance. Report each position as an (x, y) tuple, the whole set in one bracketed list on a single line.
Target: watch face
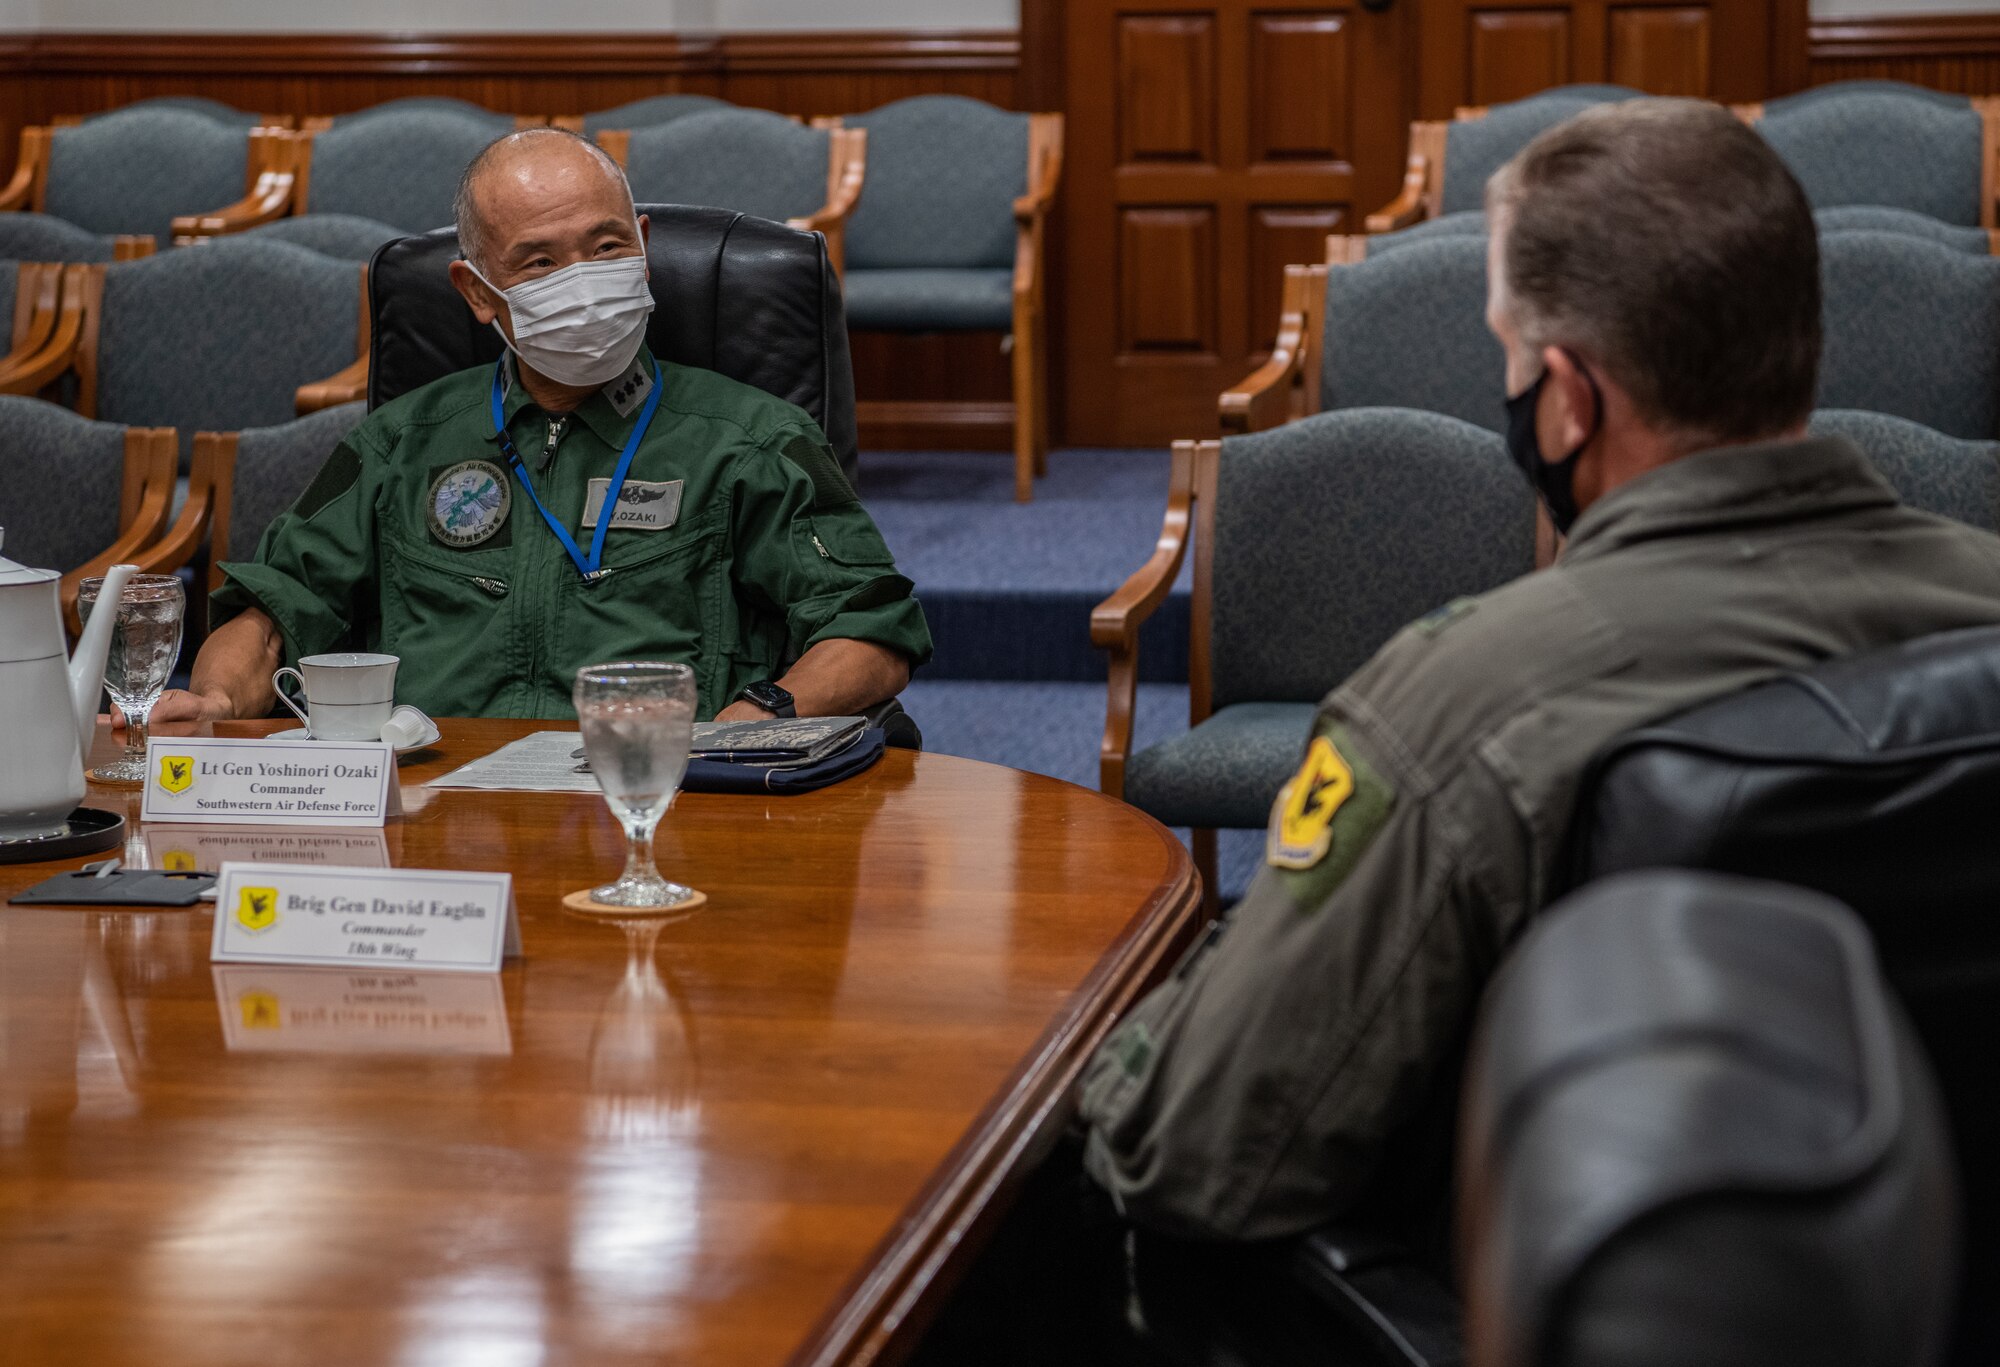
[(768, 696)]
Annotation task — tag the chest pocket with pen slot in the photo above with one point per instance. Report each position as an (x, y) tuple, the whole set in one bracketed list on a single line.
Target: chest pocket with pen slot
[(652, 595), (436, 599)]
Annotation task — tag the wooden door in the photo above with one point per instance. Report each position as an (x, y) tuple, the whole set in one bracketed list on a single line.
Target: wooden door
[(1211, 142), (1481, 52)]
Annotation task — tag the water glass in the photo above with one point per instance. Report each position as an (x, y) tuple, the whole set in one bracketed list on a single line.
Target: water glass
[(637, 719), (145, 642)]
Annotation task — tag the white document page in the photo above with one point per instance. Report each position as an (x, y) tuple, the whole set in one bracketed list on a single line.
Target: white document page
[(540, 763)]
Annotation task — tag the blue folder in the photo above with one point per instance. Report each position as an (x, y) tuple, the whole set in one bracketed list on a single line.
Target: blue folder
[(720, 776)]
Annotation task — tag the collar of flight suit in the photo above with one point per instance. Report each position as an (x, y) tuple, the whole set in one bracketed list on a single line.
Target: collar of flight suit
[(1768, 481), (596, 412)]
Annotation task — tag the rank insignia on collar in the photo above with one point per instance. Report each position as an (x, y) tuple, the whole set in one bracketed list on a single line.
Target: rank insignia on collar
[(468, 503), (1302, 827), (629, 390)]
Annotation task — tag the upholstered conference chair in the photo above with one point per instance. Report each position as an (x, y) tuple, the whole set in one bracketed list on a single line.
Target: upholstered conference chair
[(138, 171), (647, 113), (237, 486), (189, 104), (1881, 142), (1840, 218), (1450, 163), (949, 238), (213, 338), (1939, 474), (79, 496), (44, 237), (348, 237), (1872, 779), (1912, 329), (750, 160), (1698, 1128), (397, 163), (1403, 328), (750, 299), (1310, 525)]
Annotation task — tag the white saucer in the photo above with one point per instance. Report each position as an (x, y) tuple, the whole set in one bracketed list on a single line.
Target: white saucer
[(429, 737)]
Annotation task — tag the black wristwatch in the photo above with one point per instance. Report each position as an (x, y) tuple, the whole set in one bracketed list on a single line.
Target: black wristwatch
[(770, 697)]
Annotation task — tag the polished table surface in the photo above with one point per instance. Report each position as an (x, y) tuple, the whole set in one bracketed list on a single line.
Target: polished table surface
[(752, 1135)]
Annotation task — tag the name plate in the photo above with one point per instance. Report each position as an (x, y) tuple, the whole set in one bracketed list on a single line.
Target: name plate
[(383, 918), (238, 782), (275, 1010)]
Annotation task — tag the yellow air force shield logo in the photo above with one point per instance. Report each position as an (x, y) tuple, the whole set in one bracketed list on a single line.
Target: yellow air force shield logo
[(177, 773), (1304, 829), (257, 908)]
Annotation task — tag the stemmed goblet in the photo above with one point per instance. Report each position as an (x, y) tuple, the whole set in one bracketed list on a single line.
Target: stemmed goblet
[(145, 642), (637, 719)]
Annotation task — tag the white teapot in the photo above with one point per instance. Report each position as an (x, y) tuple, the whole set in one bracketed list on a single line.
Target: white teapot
[(48, 706)]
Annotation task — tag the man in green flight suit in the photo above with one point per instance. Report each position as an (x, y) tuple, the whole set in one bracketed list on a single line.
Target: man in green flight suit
[(1654, 282), (617, 509)]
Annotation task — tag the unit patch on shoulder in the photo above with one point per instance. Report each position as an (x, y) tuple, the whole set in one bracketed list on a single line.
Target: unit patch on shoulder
[(1325, 817), (468, 503), (1302, 828)]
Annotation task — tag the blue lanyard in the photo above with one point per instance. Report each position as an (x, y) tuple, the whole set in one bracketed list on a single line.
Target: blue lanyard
[(587, 568)]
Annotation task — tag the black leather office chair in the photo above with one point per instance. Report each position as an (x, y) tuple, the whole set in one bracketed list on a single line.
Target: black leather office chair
[(753, 300), (1874, 779), (750, 299), (1698, 1129)]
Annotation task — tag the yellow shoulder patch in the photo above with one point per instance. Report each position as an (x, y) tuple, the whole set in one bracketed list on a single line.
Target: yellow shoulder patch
[(1303, 832)]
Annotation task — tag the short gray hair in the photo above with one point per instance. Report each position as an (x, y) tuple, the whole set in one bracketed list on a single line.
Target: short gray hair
[(1666, 239), (465, 204)]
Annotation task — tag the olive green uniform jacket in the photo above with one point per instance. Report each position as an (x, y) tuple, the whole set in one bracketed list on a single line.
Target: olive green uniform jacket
[(756, 547), (1257, 1091)]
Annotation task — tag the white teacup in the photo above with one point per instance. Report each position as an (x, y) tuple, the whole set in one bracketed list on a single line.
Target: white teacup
[(348, 696)]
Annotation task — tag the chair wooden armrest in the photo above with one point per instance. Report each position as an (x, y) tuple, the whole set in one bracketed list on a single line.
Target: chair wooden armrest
[(1285, 386), (569, 123), (847, 163), (1408, 205), (274, 157), (1115, 622), (151, 456), (1422, 195), (346, 386), (30, 171), (34, 371), (132, 246), (37, 297)]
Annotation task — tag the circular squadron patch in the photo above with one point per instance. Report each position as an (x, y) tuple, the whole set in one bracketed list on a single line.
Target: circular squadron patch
[(468, 503)]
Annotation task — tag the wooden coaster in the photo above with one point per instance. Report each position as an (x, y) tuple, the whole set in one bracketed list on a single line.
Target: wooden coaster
[(582, 901)]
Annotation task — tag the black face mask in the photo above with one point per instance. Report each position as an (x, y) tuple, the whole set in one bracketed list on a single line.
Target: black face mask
[(1555, 480)]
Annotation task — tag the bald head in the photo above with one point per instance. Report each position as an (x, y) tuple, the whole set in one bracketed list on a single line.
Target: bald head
[(521, 184)]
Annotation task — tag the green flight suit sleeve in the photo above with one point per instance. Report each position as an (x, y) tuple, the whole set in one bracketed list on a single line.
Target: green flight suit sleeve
[(316, 567), (806, 547), (1253, 1093)]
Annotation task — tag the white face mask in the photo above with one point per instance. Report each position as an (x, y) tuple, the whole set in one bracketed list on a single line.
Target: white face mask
[(581, 325)]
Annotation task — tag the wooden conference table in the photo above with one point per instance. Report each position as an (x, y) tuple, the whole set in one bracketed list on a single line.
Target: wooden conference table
[(753, 1135)]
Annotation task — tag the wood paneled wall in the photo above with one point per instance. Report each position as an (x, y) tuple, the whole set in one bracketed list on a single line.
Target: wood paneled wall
[(1946, 51)]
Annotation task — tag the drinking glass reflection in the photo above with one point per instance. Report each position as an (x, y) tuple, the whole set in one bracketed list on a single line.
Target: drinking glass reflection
[(637, 720)]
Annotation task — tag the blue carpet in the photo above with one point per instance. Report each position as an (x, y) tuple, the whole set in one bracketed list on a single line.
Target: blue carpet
[(1054, 729), (1008, 587)]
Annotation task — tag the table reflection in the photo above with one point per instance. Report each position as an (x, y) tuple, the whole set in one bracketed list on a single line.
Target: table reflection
[(645, 1066)]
